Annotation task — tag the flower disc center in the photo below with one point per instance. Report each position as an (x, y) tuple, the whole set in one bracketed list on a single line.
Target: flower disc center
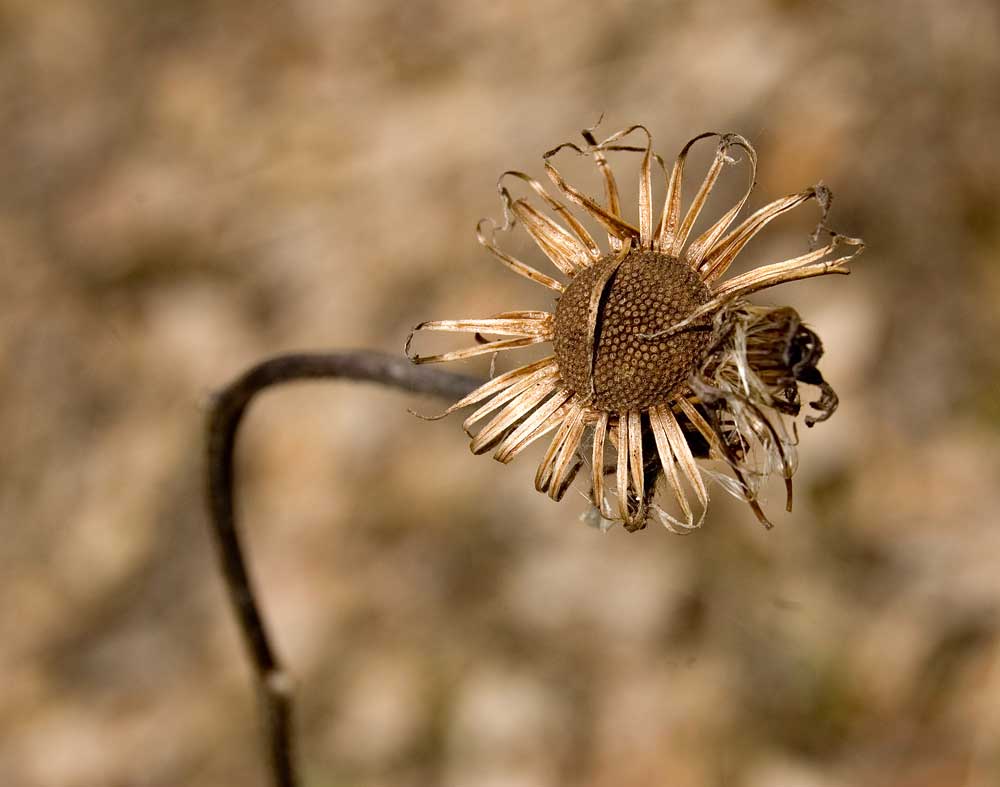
[(645, 293)]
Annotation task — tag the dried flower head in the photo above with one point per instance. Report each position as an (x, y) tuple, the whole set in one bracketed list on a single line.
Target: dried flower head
[(656, 359)]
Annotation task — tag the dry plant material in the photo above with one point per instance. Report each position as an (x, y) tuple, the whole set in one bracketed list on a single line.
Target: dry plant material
[(657, 360)]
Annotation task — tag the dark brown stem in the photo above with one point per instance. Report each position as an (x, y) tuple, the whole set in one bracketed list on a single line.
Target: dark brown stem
[(274, 684)]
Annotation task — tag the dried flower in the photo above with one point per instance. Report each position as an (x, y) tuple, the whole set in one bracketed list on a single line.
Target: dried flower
[(655, 359)]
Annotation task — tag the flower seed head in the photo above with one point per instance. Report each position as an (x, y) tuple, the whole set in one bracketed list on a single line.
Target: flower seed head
[(603, 324), (658, 358)]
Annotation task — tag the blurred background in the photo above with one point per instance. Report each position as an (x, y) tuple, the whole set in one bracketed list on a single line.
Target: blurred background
[(189, 187)]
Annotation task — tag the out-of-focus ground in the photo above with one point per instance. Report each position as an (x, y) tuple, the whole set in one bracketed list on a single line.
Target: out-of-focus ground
[(188, 187)]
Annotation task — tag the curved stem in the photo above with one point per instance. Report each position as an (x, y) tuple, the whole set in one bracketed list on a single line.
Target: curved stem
[(225, 414)]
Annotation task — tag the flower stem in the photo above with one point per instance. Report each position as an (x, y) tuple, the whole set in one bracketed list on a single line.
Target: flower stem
[(273, 682)]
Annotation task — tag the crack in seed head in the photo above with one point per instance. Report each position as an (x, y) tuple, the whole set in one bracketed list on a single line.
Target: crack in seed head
[(648, 293)]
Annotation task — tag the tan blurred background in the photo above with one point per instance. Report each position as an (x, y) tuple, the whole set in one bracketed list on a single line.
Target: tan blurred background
[(191, 186)]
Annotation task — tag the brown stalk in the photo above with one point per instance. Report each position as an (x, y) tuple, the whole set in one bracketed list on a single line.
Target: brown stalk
[(273, 682)]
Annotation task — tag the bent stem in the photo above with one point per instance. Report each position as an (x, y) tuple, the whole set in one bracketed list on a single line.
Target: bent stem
[(273, 682)]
